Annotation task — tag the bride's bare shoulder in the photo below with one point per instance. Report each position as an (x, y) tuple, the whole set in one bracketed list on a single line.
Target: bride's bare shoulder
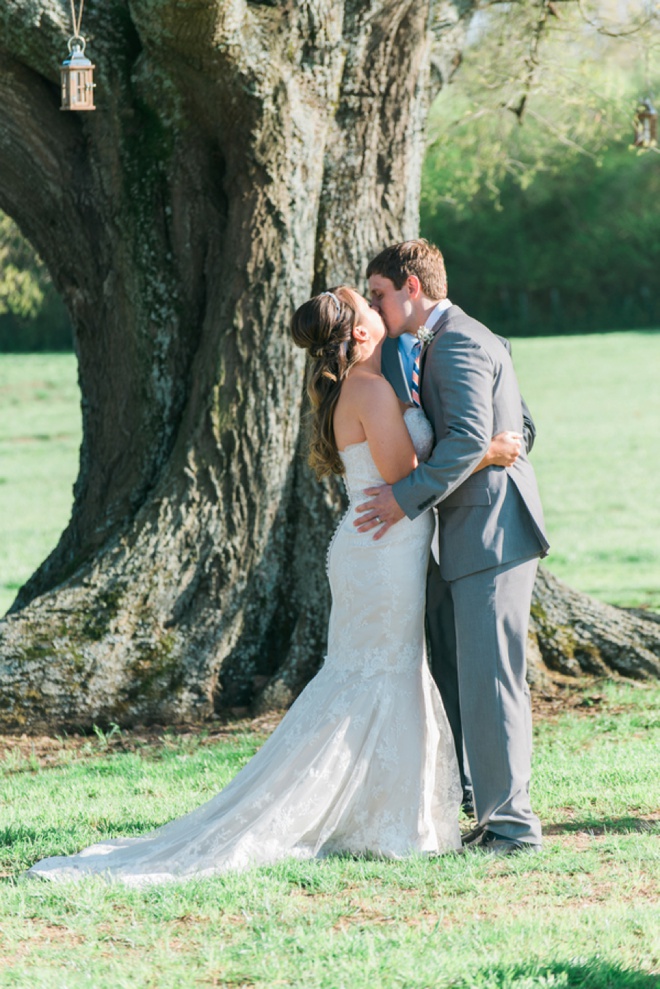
[(368, 409), (367, 387)]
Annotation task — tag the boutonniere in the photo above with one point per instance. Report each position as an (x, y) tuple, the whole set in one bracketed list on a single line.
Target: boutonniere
[(424, 335)]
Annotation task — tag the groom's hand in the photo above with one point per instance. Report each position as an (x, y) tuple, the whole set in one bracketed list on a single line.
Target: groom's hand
[(382, 511)]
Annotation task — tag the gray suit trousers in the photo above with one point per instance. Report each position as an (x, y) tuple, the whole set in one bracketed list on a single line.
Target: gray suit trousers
[(491, 609), (441, 633)]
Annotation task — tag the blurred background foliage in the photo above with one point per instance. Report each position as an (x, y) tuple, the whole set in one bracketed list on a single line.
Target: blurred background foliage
[(32, 314), (547, 217)]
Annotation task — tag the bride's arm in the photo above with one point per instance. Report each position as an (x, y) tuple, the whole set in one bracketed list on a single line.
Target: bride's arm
[(503, 451), (388, 438)]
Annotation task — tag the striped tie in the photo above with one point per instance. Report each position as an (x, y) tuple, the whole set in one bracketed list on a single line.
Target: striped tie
[(414, 391)]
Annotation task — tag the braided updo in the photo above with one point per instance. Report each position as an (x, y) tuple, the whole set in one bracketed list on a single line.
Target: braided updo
[(323, 326)]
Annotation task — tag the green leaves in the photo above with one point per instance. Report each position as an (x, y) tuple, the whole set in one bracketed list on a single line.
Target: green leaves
[(534, 95), (23, 276)]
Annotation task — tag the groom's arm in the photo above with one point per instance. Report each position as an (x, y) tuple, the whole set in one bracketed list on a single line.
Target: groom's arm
[(462, 374), (529, 429)]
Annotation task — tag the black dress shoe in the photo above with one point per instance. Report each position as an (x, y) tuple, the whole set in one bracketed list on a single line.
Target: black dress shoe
[(497, 844), (467, 804), (471, 836)]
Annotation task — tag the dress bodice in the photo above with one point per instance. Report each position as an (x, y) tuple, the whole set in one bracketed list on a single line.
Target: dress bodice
[(361, 471)]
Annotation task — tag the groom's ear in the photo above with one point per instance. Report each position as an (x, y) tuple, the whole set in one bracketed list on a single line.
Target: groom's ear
[(413, 286)]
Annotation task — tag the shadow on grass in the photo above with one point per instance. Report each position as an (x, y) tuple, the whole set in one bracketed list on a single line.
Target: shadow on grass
[(589, 974), (610, 825)]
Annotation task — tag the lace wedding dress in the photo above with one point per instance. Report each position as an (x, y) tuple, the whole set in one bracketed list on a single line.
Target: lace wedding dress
[(363, 762)]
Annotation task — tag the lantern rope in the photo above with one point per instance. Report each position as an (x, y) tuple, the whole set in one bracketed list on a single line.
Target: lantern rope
[(77, 20)]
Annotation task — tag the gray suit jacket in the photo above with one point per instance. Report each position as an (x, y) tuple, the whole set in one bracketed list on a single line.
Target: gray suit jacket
[(395, 372), (469, 392)]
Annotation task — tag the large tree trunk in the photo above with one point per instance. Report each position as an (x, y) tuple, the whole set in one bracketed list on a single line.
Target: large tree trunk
[(242, 156), (571, 634)]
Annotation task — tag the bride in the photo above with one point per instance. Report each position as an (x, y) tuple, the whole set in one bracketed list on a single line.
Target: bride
[(363, 762)]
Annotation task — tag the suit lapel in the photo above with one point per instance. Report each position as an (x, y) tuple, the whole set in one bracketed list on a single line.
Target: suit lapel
[(394, 371), (438, 329)]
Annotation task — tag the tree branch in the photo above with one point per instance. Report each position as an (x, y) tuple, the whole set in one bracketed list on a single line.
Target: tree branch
[(36, 141), (619, 33), (34, 32), (532, 60)]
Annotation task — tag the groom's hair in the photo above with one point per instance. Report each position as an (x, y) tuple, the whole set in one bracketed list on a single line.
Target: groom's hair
[(413, 257)]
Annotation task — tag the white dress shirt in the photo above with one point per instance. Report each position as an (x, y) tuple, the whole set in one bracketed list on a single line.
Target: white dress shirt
[(407, 341)]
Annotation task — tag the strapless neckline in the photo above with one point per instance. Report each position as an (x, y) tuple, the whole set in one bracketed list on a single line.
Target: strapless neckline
[(351, 446)]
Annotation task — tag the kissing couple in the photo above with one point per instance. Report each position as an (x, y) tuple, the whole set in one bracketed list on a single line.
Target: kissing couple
[(417, 406)]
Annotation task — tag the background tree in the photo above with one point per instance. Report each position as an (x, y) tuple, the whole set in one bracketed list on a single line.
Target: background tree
[(243, 155), (573, 251), (530, 165)]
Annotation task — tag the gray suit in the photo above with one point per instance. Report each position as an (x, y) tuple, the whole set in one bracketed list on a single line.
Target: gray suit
[(491, 534), (440, 623), (394, 371)]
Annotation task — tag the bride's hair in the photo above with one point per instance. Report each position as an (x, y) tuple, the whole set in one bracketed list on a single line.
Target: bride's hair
[(323, 326)]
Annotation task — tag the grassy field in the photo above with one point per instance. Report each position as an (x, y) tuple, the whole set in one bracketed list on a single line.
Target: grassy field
[(596, 400), (583, 913), (39, 440)]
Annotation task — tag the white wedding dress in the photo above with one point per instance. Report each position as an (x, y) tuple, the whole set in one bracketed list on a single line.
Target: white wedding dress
[(362, 763)]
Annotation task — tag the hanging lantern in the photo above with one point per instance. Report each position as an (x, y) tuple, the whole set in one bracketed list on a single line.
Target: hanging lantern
[(77, 71), (77, 78), (646, 125)]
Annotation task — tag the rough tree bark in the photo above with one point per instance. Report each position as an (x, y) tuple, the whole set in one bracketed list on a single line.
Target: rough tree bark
[(571, 634), (243, 155)]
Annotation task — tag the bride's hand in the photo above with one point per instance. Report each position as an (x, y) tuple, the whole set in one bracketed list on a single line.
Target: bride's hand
[(503, 451)]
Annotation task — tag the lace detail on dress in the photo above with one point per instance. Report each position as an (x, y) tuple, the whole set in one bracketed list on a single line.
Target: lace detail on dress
[(361, 471), (421, 432), (363, 762)]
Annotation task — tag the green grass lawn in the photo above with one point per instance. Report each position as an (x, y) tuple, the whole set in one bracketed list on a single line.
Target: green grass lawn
[(583, 913), (39, 440), (596, 400)]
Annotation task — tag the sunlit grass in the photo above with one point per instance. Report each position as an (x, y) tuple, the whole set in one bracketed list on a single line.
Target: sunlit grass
[(40, 432), (596, 402), (583, 913)]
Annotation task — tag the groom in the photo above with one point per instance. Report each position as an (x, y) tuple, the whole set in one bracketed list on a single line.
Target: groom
[(490, 525)]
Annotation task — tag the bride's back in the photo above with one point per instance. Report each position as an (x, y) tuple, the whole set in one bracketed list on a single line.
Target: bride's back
[(347, 419)]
